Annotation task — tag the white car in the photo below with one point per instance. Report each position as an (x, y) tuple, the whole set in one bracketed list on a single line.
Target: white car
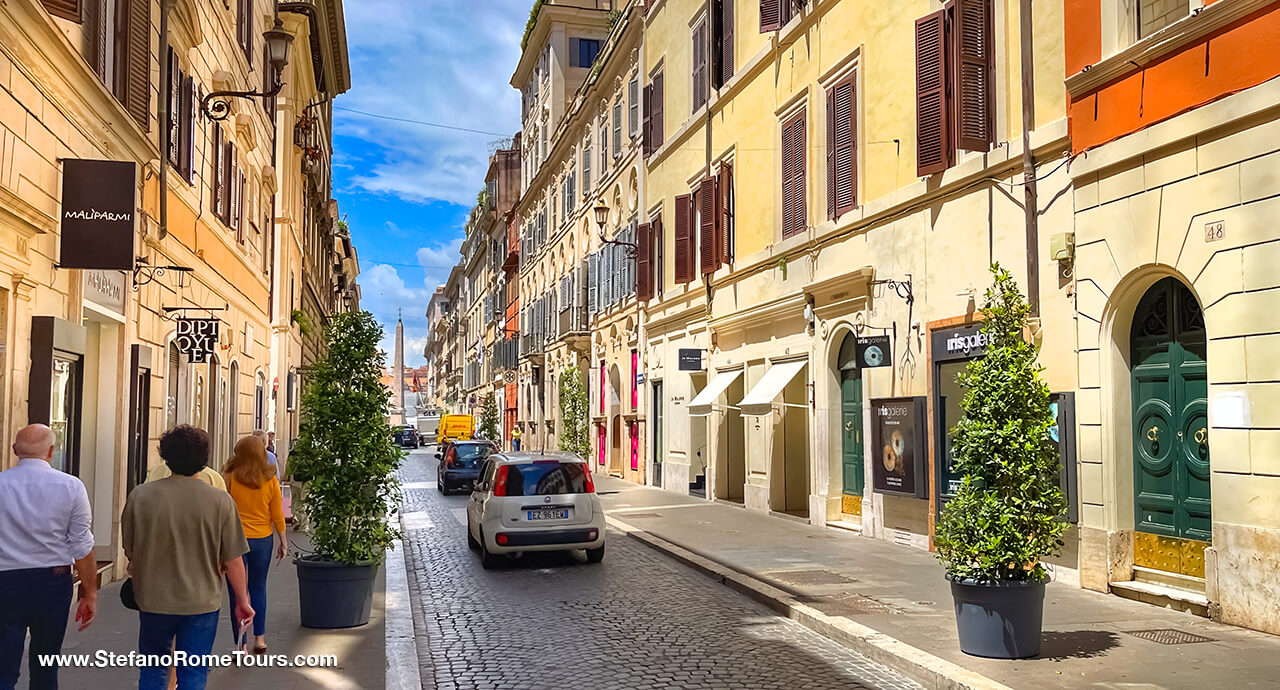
[(534, 502)]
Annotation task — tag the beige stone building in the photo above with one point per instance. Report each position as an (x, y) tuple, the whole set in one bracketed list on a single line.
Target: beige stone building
[(97, 353)]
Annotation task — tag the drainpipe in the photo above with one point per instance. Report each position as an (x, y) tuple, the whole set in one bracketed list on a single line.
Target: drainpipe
[(1028, 160), (162, 115)]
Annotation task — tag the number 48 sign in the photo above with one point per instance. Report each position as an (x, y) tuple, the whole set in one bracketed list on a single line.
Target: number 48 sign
[(1215, 231)]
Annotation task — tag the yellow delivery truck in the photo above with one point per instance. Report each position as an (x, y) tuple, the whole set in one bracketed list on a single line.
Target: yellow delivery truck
[(456, 427)]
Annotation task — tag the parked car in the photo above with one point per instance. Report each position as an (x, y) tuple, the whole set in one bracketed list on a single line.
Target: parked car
[(456, 427), (408, 437), (460, 464), (534, 502)]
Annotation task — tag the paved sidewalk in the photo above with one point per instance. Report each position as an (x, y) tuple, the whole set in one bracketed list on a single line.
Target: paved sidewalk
[(360, 651), (900, 592)]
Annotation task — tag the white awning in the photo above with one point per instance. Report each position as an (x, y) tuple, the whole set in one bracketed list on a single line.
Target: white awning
[(701, 404), (759, 401)]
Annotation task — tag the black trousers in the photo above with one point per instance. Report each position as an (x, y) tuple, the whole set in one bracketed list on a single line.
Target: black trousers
[(36, 600)]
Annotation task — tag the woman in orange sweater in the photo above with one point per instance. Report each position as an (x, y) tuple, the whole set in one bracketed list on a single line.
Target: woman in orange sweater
[(253, 485)]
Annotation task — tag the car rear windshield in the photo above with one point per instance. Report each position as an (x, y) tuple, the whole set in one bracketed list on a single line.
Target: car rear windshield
[(549, 477), (471, 455)]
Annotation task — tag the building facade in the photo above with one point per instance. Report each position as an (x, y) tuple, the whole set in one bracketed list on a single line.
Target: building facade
[(112, 357)]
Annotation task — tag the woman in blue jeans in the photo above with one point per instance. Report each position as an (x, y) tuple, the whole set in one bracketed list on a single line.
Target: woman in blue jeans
[(253, 485)]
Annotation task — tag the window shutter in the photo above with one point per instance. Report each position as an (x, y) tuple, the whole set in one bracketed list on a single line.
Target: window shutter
[(137, 96), (593, 283), (975, 72), (246, 42), (173, 92), (699, 66), (219, 152), (793, 176), (656, 109), (94, 33), (187, 133), (66, 9), (684, 262), (644, 263), (788, 202), (646, 136), (771, 15), (633, 107), (240, 204), (708, 219), (932, 141), (586, 171), (841, 141), (724, 188), (726, 41), (617, 128)]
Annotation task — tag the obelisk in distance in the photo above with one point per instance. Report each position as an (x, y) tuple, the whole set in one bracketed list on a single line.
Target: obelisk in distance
[(397, 382)]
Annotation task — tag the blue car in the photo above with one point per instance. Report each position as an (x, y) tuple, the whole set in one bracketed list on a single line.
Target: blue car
[(460, 464)]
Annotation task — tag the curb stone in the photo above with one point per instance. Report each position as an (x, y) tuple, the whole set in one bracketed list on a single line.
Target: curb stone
[(402, 650), (926, 669)]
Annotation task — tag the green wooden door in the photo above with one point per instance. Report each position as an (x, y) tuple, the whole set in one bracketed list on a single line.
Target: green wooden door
[(851, 431), (1170, 422)]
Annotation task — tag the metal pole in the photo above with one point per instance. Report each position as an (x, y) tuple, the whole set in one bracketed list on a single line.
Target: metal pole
[(1028, 160), (162, 115)]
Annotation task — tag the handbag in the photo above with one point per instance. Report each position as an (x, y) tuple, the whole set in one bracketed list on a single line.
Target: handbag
[(127, 596)]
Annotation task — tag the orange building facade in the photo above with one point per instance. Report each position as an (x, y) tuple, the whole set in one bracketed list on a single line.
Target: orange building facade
[(1175, 125)]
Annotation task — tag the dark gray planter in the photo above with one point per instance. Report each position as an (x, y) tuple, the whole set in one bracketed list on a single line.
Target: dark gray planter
[(999, 620), (334, 595)]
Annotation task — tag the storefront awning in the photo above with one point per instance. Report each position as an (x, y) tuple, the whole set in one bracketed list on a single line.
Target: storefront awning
[(701, 404), (759, 401)]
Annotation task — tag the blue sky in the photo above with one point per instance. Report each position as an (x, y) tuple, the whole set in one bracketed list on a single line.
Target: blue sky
[(406, 188)]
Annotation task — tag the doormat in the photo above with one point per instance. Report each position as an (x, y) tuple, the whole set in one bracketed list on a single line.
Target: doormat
[(1170, 636), (846, 605)]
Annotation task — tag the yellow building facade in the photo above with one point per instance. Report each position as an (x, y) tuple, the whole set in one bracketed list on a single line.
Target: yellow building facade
[(803, 203)]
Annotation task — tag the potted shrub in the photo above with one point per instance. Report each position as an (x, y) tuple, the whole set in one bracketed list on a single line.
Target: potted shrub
[(346, 455), (1007, 514)]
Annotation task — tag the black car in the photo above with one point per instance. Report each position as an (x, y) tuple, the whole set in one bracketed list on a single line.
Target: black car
[(460, 464), (406, 437)]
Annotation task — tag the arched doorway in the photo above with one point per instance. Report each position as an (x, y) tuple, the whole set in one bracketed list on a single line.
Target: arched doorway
[(851, 460), (1173, 521)]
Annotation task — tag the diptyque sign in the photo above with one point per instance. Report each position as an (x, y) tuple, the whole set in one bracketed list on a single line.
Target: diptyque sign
[(99, 203), (196, 338)]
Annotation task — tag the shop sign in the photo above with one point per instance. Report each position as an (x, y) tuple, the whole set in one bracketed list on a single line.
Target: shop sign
[(690, 359), (99, 202), (196, 338), (897, 442), (967, 342), (105, 288), (873, 351)]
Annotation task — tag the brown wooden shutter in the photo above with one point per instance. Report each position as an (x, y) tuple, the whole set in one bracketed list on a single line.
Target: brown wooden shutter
[(842, 176), (94, 36), (233, 188), (219, 156), (771, 15), (831, 153), (646, 137), (137, 97), (700, 65), (975, 75), (708, 222), (726, 41), (173, 92), (240, 205), (66, 9), (932, 123), (724, 185), (644, 263), (683, 239), (656, 112), (657, 255), (787, 200), (190, 106), (794, 217), (246, 11)]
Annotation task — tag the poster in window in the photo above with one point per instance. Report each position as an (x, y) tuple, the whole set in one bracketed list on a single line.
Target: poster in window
[(897, 445)]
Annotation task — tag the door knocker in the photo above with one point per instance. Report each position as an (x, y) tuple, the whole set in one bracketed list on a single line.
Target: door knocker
[(848, 426), (1153, 434), (1202, 435)]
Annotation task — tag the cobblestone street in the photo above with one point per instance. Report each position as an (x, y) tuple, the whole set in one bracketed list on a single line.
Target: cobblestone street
[(637, 620)]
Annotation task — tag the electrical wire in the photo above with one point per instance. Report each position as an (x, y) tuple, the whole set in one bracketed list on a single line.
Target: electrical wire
[(424, 123)]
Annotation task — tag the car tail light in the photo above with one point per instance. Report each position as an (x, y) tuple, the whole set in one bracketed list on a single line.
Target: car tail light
[(502, 540), (591, 483), (500, 482)]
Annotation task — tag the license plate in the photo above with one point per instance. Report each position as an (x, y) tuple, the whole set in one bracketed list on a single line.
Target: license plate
[(549, 514)]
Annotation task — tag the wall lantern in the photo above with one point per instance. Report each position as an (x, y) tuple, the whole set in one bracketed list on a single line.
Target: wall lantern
[(217, 105)]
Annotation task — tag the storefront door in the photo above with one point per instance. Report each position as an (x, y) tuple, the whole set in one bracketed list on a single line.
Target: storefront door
[(1170, 431), (851, 440)]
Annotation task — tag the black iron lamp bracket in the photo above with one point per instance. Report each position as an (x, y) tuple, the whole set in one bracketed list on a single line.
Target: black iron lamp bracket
[(632, 248), (217, 105), (902, 288), (144, 272)]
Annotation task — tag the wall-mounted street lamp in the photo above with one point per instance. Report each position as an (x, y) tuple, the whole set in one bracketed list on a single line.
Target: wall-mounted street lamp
[(602, 216), (217, 105)]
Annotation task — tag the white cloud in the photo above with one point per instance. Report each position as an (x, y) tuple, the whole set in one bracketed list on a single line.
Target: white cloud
[(443, 61), (385, 293)]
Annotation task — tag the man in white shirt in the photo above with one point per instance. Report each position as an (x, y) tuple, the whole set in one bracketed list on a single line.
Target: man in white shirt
[(44, 528)]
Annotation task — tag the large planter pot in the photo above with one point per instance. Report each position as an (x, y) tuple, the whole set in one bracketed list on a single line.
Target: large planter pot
[(334, 595), (1000, 620)]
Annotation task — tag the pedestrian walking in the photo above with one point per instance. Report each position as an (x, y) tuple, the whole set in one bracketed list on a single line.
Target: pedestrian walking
[(271, 454), (180, 535), (515, 438), (207, 474), (256, 490), (45, 527)]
